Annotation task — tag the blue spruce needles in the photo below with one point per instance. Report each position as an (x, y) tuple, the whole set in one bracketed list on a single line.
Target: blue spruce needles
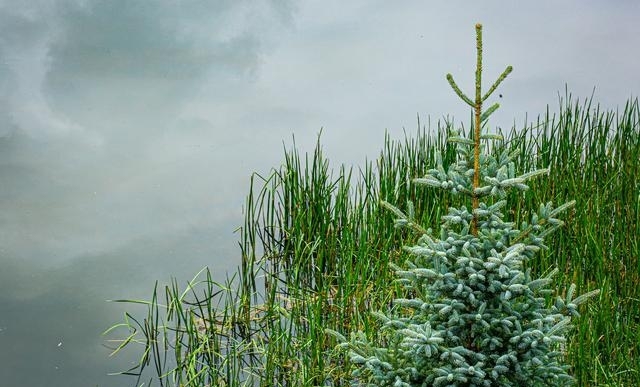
[(476, 317)]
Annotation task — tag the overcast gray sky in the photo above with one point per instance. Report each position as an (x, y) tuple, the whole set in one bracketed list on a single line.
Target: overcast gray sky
[(129, 129)]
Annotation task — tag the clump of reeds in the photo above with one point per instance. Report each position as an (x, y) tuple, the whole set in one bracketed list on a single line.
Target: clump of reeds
[(316, 249)]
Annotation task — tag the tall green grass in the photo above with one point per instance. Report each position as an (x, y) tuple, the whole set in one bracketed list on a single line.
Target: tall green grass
[(595, 159), (316, 246)]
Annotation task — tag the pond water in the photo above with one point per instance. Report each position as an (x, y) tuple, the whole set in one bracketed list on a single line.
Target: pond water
[(129, 132)]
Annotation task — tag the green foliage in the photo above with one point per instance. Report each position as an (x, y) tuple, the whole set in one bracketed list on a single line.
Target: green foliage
[(582, 145), (475, 316)]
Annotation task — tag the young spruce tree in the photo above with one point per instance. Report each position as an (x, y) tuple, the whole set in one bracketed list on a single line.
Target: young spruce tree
[(476, 317)]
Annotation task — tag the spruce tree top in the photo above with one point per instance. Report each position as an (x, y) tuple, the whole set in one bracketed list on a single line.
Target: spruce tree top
[(475, 316)]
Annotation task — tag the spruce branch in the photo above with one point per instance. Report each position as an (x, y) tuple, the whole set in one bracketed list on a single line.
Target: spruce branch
[(404, 220), (495, 137), (538, 172), (546, 216), (488, 112), (495, 85), (459, 92)]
